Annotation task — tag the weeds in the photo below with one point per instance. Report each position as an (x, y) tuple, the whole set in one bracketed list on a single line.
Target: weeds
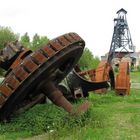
[(109, 117)]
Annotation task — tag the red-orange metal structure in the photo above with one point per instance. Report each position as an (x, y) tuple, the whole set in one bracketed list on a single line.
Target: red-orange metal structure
[(89, 74), (122, 84), (103, 73), (79, 83)]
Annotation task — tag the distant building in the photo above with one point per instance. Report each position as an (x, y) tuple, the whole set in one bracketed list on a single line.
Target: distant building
[(132, 58)]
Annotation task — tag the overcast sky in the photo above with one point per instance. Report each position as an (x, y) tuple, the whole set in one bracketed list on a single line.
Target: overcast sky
[(91, 19)]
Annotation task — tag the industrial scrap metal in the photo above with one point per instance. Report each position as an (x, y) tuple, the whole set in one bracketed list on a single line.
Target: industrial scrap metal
[(79, 83), (122, 84), (104, 72), (31, 75)]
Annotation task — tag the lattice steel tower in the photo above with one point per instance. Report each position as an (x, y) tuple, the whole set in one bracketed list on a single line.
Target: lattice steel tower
[(121, 44)]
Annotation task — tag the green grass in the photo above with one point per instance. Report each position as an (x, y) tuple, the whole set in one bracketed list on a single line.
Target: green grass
[(109, 117), (135, 77)]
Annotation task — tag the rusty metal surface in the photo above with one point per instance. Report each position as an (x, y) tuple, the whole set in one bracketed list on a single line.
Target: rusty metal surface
[(82, 108), (88, 85), (9, 54), (51, 62), (104, 72), (80, 84), (122, 84), (88, 74), (19, 58), (56, 96)]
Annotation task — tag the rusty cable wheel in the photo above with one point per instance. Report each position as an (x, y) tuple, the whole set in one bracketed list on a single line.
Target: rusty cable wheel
[(51, 62), (122, 84), (104, 72)]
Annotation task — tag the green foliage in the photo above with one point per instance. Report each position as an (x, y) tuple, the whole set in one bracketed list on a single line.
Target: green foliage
[(6, 35), (41, 118), (116, 69), (135, 77), (132, 68), (38, 41), (88, 61), (108, 117), (138, 68), (25, 40)]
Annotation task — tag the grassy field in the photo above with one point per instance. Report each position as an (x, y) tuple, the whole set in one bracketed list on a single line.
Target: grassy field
[(109, 117), (135, 77)]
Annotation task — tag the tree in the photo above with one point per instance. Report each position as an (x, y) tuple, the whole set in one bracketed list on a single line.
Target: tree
[(138, 68), (25, 40), (6, 35), (39, 41), (43, 40), (87, 60)]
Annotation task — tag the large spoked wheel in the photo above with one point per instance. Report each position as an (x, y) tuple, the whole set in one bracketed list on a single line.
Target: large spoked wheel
[(51, 62)]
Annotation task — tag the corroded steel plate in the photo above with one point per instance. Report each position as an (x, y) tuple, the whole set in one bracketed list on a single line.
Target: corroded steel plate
[(122, 84), (104, 72)]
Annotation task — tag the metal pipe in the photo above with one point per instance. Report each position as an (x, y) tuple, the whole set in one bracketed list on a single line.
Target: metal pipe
[(56, 96)]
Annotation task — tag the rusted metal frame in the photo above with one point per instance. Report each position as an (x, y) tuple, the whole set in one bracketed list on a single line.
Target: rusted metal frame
[(9, 54), (80, 86), (56, 96), (103, 74), (90, 73), (20, 58), (122, 84)]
